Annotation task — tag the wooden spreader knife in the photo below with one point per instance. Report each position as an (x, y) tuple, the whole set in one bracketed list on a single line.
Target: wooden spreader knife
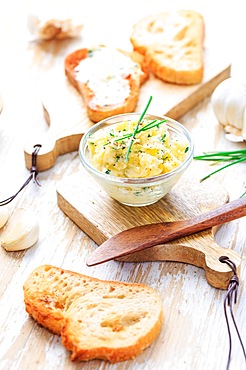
[(142, 237)]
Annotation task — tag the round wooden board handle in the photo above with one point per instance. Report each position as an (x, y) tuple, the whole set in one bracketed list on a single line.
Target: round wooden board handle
[(206, 256), (51, 149), (139, 239), (67, 122)]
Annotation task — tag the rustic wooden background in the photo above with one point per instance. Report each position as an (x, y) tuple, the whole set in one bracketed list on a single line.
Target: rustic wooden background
[(194, 334)]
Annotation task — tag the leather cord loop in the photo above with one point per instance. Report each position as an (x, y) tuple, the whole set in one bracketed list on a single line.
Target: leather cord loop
[(32, 176), (230, 299)]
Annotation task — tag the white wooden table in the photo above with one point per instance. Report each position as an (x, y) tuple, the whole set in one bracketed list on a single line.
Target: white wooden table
[(194, 334)]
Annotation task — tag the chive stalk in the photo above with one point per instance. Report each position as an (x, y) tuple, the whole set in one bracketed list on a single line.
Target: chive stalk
[(136, 129), (234, 157)]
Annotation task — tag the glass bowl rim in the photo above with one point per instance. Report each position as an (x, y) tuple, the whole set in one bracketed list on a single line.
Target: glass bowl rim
[(138, 180)]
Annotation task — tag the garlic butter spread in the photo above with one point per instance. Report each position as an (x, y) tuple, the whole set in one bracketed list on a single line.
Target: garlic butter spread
[(154, 151), (106, 71)]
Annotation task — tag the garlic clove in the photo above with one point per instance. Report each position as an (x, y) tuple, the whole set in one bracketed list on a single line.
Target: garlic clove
[(233, 137), (229, 105), (5, 212), (21, 231)]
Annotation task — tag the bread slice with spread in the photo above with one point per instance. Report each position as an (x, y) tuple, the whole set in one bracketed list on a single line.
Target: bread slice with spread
[(173, 45), (97, 319), (108, 79)]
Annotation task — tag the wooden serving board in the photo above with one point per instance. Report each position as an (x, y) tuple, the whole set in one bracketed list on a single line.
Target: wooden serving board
[(68, 117), (101, 217)]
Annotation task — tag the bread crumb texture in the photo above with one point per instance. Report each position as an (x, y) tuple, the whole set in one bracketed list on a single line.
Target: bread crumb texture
[(97, 319)]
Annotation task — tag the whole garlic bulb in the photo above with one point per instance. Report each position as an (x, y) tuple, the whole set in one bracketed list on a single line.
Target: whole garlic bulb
[(229, 106), (21, 231)]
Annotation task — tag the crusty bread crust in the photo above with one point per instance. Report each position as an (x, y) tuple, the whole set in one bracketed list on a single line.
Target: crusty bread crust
[(173, 45), (97, 112), (97, 319)]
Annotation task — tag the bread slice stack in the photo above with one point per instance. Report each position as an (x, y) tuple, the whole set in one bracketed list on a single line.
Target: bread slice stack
[(172, 43), (108, 79), (97, 319)]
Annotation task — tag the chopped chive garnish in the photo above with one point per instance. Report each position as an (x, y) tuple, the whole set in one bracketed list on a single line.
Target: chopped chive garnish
[(150, 125), (136, 129)]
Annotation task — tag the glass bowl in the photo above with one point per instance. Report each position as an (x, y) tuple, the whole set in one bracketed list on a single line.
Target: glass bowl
[(137, 191)]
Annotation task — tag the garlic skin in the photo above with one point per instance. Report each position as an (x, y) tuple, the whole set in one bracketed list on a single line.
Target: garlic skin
[(21, 231), (5, 212), (49, 21), (229, 106), (53, 28)]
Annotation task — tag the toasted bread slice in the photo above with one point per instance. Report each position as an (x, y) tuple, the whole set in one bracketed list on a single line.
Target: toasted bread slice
[(96, 319), (173, 45), (108, 79)]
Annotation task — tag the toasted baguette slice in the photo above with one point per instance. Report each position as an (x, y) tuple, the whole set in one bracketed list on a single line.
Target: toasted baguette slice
[(108, 79), (107, 320), (173, 45)]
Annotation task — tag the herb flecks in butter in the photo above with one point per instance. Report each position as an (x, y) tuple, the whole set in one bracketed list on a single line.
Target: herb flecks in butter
[(154, 150)]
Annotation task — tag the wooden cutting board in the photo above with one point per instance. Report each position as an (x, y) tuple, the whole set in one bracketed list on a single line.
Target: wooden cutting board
[(68, 117), (101, 217)]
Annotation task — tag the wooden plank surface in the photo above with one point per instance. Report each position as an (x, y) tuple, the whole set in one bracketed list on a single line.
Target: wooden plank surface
[(194, 334)]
